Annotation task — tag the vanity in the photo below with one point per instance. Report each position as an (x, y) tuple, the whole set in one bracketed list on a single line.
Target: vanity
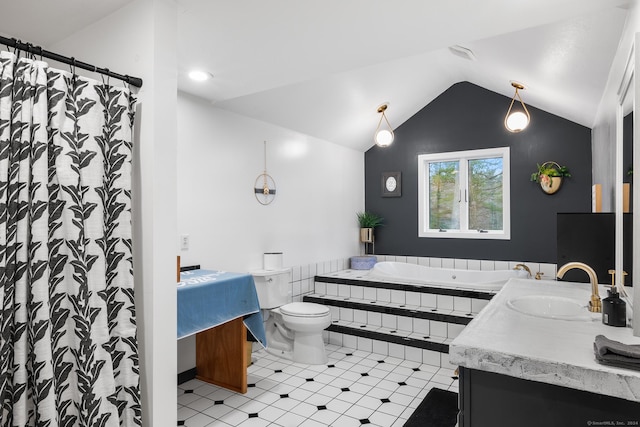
[(525, 365)]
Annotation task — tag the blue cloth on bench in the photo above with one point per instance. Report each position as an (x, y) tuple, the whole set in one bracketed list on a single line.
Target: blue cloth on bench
[(208, 298)]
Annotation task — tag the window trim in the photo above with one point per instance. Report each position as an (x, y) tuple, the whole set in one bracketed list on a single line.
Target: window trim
[(423, 197)]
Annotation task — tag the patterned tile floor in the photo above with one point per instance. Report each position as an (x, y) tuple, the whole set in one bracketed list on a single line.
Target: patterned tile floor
[(354, 388)]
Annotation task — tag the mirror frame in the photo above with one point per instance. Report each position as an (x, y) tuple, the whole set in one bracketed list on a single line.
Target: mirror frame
[(627, 93)]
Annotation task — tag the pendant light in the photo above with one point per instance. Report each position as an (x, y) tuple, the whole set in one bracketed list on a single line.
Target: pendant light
[(383, 137), (517, 121)]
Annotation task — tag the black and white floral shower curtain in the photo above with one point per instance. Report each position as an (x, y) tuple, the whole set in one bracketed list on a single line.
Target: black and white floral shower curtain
[(68, 348)]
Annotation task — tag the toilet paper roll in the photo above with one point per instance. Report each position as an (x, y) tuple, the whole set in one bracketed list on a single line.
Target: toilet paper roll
[(272, 261)]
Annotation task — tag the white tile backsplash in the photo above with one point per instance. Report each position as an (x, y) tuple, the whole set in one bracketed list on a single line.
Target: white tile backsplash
[(370, 294), (295, 274), (383, 295), (360, 317), (428, 300), (501, 265), (473, 264), (421, 326), (453, 330), (389, 321), (430, 357), (344, 291), (374, 318), (381, 347), (365, 344), (462, 304), (405, 324), (346, 314), (478, 304), (398, 297), (444, 302), (438, 329), (357, 292), (332, 289), (460, 264), (413, 354), (549, 271), (396, 350), (448, 263), (487, 265)]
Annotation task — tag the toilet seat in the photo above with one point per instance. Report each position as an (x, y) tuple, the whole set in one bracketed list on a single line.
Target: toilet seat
[(304, 309)]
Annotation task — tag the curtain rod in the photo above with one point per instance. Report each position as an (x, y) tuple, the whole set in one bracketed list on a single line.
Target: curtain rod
[(37, 50)]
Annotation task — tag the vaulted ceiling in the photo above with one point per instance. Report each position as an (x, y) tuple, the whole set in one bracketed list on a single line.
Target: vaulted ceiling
[(323, 68)]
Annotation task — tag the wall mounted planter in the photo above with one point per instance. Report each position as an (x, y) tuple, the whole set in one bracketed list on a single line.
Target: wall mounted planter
[(550, 175), (550, 184)]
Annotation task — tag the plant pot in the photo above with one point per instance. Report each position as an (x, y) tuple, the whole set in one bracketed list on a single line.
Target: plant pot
[(366, 235), (550, 184)]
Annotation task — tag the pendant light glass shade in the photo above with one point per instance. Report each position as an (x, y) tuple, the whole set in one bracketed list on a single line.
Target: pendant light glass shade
[(517, 121), (383, 137)]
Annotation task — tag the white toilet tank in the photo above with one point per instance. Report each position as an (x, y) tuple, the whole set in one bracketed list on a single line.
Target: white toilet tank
[(273, 287)]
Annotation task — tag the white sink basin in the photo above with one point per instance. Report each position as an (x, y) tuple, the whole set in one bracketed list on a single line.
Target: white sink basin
[(552, 307)]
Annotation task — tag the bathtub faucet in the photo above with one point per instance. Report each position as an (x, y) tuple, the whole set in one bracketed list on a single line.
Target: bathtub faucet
[(595, 304), (523, 267)]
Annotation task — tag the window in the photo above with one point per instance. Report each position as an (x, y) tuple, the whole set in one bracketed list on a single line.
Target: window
[(464, 194)]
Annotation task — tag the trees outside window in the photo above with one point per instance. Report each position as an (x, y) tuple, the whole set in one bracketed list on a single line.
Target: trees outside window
[(464, 194)]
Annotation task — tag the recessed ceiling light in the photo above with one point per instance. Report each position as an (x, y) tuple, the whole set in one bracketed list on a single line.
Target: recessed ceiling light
[(199, 76)]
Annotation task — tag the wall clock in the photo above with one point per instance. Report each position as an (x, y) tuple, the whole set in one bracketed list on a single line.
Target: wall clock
[(391, 184)]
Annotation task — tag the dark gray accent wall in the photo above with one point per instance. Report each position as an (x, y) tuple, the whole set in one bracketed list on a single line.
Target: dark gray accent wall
[(467, 117)]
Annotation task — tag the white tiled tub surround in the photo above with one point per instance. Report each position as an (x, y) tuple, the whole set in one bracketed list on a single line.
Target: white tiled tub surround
[(548, 271), (405, 326), (302, 276)]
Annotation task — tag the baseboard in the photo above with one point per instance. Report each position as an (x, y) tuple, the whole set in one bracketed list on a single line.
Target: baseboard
[(185, 376)]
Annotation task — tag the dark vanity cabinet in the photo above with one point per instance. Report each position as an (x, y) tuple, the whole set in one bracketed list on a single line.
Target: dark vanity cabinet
[(494, 400)]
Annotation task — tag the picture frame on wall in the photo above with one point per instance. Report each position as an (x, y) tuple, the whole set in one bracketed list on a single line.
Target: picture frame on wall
[(391, 184)]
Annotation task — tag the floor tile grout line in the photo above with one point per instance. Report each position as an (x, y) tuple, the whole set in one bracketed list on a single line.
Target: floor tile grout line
[(309, 372)]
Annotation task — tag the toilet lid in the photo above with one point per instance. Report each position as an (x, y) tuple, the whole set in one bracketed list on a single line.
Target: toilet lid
[(304, 309)]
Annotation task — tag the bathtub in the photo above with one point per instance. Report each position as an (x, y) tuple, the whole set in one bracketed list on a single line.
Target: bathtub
[(449, 277)]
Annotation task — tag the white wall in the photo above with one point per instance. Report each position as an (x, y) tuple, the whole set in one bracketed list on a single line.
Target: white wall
[(139, 40), (320, 187)]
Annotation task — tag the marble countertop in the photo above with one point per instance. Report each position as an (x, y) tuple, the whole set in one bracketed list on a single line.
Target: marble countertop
[(560, 352)]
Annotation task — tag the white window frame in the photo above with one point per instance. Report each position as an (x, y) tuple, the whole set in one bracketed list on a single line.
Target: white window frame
[(463, 157)]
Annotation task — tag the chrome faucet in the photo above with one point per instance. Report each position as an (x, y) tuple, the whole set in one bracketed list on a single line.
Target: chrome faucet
[(523, 267), (595, 304)]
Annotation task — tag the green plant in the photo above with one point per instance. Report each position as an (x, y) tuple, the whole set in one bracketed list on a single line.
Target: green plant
[(549, 170), (630, 171), (369, 220)]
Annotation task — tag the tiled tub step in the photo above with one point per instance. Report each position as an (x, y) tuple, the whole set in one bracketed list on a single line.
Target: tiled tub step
[(414, 322), (425, 342), (392, 309), (397, 323)]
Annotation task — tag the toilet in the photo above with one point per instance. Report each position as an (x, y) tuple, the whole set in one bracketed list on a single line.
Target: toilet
[(293, 329)]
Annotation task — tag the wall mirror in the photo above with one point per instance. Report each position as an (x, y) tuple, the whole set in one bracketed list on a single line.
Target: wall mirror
[(626, 158)]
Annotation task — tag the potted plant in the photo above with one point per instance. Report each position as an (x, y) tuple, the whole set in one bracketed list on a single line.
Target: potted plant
[(549, 175), (368, 221)]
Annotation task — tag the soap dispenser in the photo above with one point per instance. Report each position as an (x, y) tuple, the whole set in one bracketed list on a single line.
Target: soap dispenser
[(614, 309)]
